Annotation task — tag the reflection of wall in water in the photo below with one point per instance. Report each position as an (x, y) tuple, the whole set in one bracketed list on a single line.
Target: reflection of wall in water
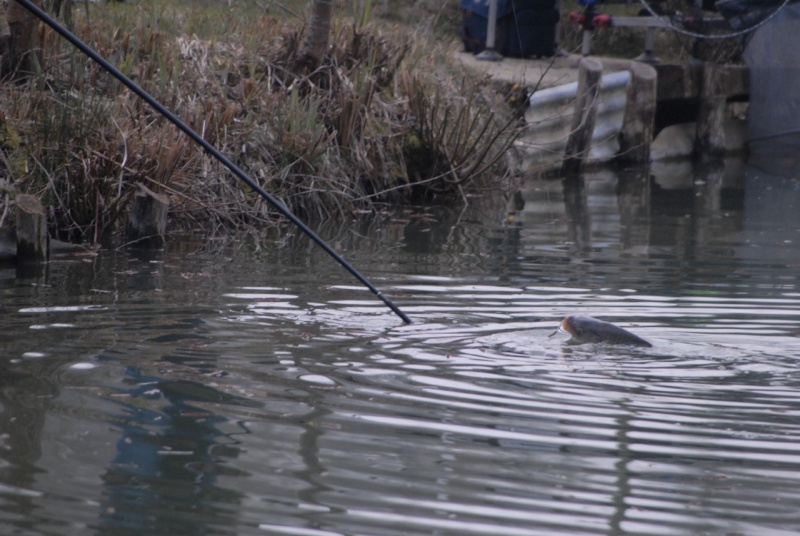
[(550, 222), (644, 226), (771, 227), (693, 204)]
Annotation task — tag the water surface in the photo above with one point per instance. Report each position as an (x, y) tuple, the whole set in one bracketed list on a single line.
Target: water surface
[(237, 390)]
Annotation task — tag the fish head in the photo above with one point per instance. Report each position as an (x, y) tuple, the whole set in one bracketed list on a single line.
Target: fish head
[(583, 329)]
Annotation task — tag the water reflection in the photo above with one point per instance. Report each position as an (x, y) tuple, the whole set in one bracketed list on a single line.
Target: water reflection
[(770, 221), (260, 390), (168, 459)]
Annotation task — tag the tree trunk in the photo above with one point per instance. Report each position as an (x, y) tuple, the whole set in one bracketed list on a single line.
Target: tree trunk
[(315, 40)]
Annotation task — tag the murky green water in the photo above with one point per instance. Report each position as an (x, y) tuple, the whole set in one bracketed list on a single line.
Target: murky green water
[(240, 392)]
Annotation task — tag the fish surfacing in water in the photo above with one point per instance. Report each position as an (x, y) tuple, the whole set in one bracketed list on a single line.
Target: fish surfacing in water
[(585, 329)]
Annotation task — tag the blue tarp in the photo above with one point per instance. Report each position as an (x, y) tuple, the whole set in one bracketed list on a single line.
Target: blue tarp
[(524, 27), (481, 7)]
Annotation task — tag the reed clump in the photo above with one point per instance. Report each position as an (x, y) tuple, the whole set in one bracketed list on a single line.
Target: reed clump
[(382, 120)]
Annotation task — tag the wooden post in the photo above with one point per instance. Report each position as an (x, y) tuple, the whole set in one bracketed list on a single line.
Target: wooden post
[(710, 138), (23, 42), (5, 32), (31, 229), (583, 118), (640, 112), (147, 219)]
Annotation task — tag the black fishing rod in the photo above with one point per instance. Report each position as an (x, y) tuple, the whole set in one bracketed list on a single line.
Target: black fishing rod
[(210, 149)]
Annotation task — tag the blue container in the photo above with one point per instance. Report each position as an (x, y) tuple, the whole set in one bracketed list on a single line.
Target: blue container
[(524, 27), (481, 7)]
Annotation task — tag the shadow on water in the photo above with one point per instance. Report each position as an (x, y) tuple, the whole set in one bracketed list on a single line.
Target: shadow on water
[(259, 390)]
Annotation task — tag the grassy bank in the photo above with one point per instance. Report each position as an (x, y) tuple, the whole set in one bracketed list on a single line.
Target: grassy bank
[(383, 120)]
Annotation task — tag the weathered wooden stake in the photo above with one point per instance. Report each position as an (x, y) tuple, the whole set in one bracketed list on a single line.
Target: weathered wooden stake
[(20, 56), (147, 219), (31, 229), (5, 31), (640, 112), (583, 118), (709, 136)]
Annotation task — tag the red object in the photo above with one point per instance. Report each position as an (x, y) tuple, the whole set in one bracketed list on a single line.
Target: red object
[(602, 20), (589, 21), (576, 18)]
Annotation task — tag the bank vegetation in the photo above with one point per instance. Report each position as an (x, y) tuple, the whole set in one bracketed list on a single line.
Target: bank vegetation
[(384, 120)]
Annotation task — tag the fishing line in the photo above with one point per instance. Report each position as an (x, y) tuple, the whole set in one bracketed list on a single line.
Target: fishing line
[(210, 149)]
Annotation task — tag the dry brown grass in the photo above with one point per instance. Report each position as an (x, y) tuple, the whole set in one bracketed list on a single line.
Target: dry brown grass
[(383, 120)]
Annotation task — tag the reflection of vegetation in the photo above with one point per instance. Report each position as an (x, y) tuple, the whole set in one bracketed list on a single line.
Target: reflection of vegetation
[(381, 119)]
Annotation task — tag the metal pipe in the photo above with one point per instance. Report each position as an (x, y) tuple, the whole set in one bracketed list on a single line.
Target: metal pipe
[(491, 29), (210, 149), (649, 40), (489, 52)]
